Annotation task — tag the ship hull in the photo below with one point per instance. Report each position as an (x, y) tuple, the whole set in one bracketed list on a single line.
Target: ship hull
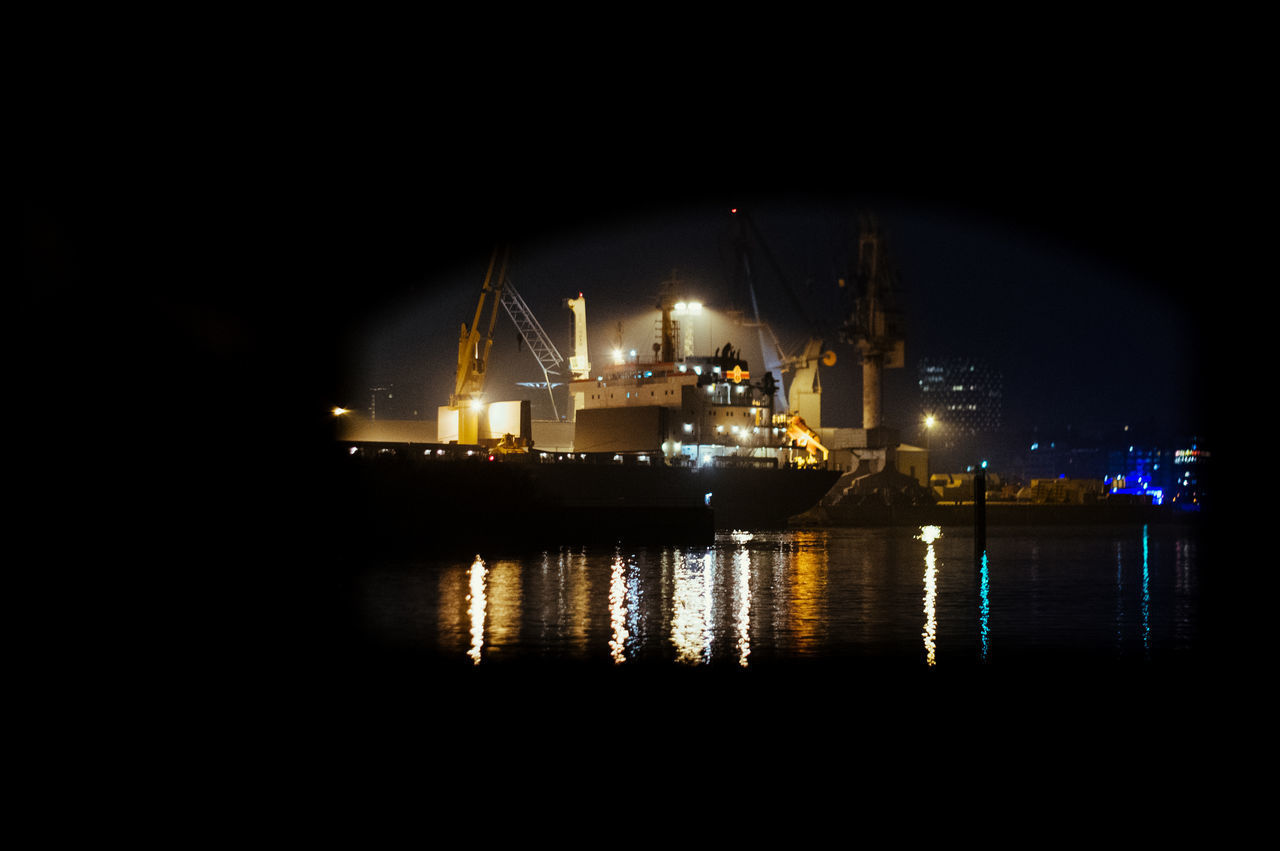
[(410, 497)]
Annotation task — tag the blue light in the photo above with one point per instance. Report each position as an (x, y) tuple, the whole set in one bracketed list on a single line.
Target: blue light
[(984, 606)]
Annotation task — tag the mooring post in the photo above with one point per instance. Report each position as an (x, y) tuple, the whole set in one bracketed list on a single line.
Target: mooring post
[(980, 511)]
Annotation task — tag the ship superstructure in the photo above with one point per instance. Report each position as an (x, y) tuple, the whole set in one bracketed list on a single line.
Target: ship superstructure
[(692, 410)]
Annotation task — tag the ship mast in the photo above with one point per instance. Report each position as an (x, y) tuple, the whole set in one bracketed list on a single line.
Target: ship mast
[(666, 303)]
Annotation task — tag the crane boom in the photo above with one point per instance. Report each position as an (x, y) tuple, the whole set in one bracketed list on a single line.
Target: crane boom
[(544, 351), (473, 350)]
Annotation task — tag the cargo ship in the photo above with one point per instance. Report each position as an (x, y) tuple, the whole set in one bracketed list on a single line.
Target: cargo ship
[(666, 449)]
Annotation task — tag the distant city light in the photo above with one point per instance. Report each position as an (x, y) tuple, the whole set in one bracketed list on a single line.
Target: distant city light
[(337, 412)]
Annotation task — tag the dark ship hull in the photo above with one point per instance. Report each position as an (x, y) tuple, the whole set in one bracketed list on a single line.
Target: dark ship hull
[(410, 496)]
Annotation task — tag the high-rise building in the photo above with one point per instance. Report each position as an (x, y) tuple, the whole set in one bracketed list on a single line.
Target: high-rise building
[(392, 402), (965, 396)]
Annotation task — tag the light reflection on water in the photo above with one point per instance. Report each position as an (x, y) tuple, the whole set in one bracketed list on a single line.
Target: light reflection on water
[(618, 607), (773, 597), (476, 610), (929, 534)]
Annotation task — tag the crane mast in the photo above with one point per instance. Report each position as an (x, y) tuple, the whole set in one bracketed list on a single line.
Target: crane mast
[(874, 326)]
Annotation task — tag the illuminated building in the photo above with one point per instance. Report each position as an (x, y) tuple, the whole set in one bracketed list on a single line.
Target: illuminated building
[(1172, 472), (391, 402), (1168, 475), (964, 395)]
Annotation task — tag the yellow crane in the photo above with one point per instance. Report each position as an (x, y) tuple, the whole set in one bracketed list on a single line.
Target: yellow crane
[(473, 351)]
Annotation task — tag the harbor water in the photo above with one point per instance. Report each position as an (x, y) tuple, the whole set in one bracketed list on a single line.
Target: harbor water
[(900, 599), (770, 656)]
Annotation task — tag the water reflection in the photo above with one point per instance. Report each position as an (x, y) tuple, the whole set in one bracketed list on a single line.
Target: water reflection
[(929, 534), (1119, 632), (742, 593), (984, 608), (1184, 589), (805, 593), (691, 607), (806, 618), (618, 609), (1146, 593), (504, 598), (476, 608)]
